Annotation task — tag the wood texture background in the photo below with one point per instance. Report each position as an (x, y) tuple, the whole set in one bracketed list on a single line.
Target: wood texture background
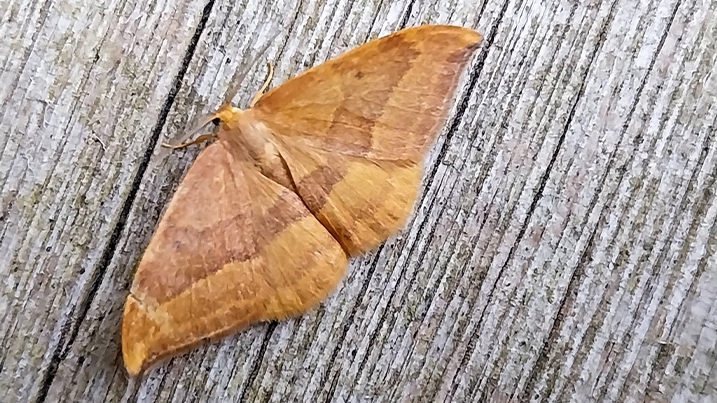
[(563, 248)]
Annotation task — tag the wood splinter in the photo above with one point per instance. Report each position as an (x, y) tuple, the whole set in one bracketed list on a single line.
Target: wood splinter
[(320, 168)]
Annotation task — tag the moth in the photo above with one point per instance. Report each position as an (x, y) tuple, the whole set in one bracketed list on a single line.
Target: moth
[(323, 167)]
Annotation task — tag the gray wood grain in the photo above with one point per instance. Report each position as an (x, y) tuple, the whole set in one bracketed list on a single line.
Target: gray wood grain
[(563, 248)]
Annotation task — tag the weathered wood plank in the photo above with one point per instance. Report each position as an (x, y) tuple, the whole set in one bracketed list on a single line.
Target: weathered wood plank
[(84, 83), (563, 248)]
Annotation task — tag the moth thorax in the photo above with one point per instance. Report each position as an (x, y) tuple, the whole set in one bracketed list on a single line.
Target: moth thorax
[(243, 130)]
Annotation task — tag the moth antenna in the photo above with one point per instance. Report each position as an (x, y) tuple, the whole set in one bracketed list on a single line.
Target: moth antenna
[(201, 122), (199, 140), (267, 80), (236, 80), (243, 69)]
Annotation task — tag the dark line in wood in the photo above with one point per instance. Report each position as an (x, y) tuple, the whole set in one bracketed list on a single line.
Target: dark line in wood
[(541, 363), (454, 246), (292, 25), (479, 277), (533, 205), (371, 24), (458, 115), (622, 169), (311, 59), (430, 177), (348, 323), (453, 127), (52, 369), (66, 342), (488, 40), (256, 365), (332, 41), (648, 294), (483, 5), (166, 370), (407, 16), (541, 187), (304, 342), (131, 388), (697, 214)]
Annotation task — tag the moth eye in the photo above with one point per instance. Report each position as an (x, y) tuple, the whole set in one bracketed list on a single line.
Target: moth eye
[(216, 121)]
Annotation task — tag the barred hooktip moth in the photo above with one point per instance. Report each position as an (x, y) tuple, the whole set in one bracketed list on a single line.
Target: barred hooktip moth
[(323, 167)]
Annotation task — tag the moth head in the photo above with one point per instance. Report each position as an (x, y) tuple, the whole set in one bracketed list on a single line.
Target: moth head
[(225, 113)]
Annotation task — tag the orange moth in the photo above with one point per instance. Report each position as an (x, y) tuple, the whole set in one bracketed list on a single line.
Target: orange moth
[(323, 167)]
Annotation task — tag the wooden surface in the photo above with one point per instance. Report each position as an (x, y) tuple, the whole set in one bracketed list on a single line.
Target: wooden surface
[(563, 248)]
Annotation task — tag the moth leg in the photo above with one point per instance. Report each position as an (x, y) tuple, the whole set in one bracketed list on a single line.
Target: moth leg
[(258, 94), (198, 140)]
